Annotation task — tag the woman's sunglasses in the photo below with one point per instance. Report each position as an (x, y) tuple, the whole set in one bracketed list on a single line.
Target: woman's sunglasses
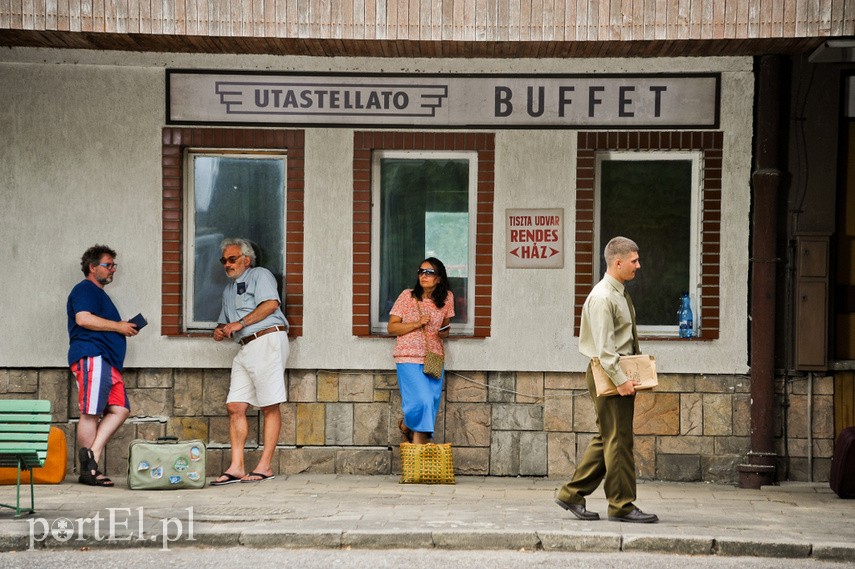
[(428, 272)]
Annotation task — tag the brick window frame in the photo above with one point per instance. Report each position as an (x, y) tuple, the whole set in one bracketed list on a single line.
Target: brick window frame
[(175, 141), (364, 144), (709, 144)]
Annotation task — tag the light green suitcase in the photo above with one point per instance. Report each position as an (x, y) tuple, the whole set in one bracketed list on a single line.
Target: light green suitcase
[(166, 464)]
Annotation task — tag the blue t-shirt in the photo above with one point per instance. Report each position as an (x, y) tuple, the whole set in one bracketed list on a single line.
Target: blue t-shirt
[(244, 294), (86, 296)]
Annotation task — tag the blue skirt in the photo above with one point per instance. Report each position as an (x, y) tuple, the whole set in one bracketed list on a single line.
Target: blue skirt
[(420, 397)]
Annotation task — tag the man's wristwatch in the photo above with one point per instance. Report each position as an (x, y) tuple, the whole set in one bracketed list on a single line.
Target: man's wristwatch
[(242, 323)]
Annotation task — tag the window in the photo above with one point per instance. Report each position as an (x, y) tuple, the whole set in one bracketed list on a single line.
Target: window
[(230, 195), (458, 160), (610, 168), (652, 197), (225, 154), (422, 204)]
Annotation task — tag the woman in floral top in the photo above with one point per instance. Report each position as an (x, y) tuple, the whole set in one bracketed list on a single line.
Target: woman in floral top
[(428, 307)]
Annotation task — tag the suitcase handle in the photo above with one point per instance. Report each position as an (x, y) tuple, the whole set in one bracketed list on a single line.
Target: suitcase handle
[(169, 439)]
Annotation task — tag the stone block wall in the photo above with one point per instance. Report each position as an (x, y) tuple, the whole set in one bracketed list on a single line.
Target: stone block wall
[(692, 428), (791, 409)]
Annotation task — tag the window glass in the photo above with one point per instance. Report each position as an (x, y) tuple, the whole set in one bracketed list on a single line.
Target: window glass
[(231, 196), (652, 199), (422, 208)]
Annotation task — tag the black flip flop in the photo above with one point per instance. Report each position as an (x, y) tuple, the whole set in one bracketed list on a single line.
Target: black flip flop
[(230, 479), (261, 477)]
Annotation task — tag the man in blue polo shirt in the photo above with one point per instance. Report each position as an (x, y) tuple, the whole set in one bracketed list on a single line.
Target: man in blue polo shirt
[(96, 355), (252, 317)]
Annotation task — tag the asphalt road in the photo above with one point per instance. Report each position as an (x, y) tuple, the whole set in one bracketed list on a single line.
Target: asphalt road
[(197, 558)]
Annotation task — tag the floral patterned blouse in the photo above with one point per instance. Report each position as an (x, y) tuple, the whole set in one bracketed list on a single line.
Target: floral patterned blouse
[(410, 347)]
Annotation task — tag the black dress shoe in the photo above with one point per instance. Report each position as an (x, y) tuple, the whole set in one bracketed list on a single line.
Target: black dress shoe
[(579, 511), (636, 517)]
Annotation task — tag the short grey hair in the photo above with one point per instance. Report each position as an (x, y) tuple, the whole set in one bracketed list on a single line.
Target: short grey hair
[(619, 247), (245, 247)]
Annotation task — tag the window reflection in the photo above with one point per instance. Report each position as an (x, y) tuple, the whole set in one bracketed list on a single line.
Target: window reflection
[(232, 196)]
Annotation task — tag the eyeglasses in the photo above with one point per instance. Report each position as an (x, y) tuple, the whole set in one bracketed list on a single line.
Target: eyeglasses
[(230, 260), (109, 266), (428, 272)]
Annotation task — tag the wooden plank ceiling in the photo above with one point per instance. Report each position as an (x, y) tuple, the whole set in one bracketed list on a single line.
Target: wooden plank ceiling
[(431, 28)]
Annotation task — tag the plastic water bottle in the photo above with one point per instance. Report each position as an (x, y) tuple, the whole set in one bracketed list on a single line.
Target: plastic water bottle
[(687, 322)]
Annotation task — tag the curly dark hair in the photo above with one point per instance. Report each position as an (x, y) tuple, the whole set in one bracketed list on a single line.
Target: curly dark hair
[(93, 255), (442, 287)]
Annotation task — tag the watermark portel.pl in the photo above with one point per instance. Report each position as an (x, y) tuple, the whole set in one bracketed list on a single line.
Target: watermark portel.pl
[(119, 527)]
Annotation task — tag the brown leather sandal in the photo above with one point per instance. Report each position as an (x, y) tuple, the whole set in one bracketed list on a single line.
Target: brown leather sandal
[(405, 431)]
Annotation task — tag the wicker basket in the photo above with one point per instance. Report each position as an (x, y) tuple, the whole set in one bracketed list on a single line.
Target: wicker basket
[(427, 464)]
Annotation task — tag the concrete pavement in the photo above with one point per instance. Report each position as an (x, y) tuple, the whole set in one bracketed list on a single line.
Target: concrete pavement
[(794, 520)]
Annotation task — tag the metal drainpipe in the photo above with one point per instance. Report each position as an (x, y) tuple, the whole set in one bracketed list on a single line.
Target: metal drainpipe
[(759, 469), (810, 426)]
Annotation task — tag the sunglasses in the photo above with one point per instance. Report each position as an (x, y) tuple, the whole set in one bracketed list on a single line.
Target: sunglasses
[(230, 260), (109, 266), (428, 272)]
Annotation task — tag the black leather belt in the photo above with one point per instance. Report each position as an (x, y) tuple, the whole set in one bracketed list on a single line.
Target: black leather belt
[(246, 340)]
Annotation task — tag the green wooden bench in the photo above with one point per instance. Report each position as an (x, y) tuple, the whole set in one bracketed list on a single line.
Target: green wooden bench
[(24, 430)]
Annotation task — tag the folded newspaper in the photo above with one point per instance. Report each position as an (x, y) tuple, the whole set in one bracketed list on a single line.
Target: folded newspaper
[(640, 369)]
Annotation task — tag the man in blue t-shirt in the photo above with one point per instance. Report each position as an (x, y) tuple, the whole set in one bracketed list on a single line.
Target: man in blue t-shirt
[(96, 355), (252, 317)]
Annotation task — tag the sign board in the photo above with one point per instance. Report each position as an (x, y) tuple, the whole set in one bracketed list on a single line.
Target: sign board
[(534, 238), (437, 101)]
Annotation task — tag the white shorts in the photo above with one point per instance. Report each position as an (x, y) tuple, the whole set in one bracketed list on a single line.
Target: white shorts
[(258, 371)]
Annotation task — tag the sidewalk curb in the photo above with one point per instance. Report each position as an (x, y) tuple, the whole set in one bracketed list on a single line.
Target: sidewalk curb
[(734, 547), (291, 540), (686, 545), (564, 541), (834, 551), (463, 540)]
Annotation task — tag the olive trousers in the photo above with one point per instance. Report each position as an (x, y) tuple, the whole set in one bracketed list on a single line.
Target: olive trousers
[(608, 456)]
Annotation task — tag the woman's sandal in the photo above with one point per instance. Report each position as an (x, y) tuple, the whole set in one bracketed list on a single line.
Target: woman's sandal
[(405, 431), (88, 466)]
